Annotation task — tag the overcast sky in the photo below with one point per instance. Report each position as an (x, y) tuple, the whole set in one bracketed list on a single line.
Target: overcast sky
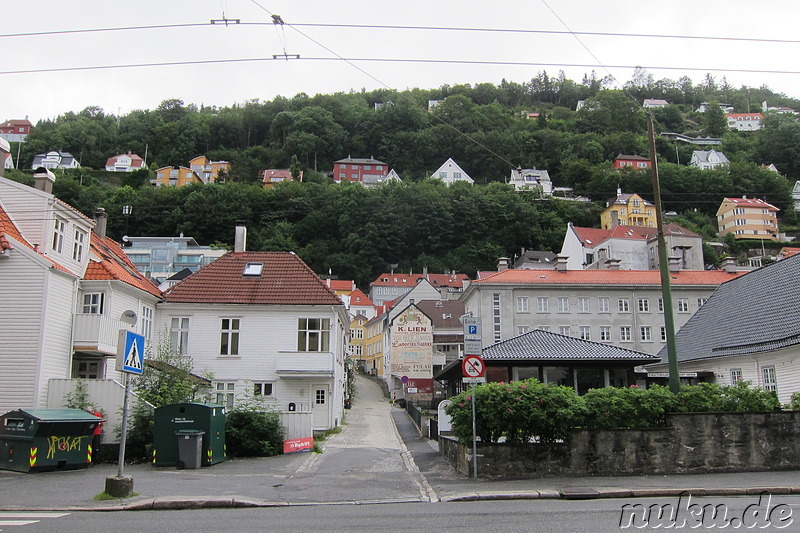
[(320, 70)]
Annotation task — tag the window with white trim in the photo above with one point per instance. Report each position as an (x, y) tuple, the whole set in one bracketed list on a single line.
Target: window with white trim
[(146, 328), (226, 390), (623, 305), (663, 333), (644, 305), (700, 302), (603, 305), (229, 337), (522, 329), (496, 316), (93, 303), (625, 333), (661, 305), (78, 245), (585, 333), (179, 335), (605, 333), (769, 379), (313, 334), (564, 330), (736, 376), (522, 304), (543, 304), (583, 305), (646, 333), (59, 227), (563, 304), (262, 388), (683, 305)]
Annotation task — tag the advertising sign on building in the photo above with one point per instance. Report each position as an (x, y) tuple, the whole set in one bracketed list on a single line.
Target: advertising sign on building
[(412, 349)]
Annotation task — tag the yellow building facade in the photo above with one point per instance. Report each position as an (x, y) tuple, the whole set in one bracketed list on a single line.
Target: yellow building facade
[(628, 210), (175, 177)]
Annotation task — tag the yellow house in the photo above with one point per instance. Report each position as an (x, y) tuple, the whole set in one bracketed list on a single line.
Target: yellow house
[(748, 218), (206, 169), (358, 341), (175, 177), (373, 346), (628, 210)]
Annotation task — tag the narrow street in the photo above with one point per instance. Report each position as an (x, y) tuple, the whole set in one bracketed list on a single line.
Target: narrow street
[(367, 461)]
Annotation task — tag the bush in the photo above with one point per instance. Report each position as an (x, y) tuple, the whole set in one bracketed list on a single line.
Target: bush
[(139, 444), (253, 433), (794, 402), (701, 398), (744, 398), (631, 407), (518, 411)]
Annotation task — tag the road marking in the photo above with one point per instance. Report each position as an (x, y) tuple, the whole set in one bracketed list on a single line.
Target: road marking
[(13, 518)]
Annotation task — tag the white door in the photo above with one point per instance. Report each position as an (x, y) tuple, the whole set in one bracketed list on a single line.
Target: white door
[(320, 405)]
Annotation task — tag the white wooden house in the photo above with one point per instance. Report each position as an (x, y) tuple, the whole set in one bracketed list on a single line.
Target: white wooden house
[(450, 173), (264, 325)]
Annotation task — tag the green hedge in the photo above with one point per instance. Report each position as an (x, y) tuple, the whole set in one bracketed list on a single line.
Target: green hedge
[(526, 410)]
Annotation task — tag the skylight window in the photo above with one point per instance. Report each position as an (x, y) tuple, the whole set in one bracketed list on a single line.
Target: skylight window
[(253, 269)]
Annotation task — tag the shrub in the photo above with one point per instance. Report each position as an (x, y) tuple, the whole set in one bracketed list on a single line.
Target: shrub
[(794, 402), (630, 407), (744, 398), (701, 398), (253, 433)]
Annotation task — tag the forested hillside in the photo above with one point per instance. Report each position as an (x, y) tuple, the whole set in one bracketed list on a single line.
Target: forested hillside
[(484, 128)]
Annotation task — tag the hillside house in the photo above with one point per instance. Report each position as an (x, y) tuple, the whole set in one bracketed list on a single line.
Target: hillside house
[(530, 179), (389, 286), (15, 130), (744, 121), (628, 210), (207, 170), (175, 177), (54, 159), (623, 161), (450, 173), (125, 163), (748, 218), (359, 170), (708, 159)]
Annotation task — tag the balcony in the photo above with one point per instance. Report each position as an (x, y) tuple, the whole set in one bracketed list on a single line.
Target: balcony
[(305, 364), (96, 334)]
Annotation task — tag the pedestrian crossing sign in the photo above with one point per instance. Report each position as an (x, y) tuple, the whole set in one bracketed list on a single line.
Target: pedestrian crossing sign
[(130, 352)]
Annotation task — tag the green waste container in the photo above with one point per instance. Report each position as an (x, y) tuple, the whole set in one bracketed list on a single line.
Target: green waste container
[(37, 440), (171, 419)]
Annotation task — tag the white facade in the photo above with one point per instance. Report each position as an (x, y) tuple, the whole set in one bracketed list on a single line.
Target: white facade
[(267, 355), (531, 179), (710, 159), (450, 173)]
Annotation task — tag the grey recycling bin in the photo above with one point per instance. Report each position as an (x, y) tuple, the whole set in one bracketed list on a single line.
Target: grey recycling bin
[(190, 448)]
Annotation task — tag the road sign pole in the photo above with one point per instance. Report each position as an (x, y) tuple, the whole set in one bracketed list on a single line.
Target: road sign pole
[(474, 438), (124, 435)]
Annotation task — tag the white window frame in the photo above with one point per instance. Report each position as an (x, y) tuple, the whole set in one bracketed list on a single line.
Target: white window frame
[(59, 229), (146, 327), (564, 330), (583, 304), (625, 333), (264, 389), (563, 304), (683, 305), (605, 333), (179, 334), (313, 334), (229, 337), (543, 304), (644, 305), (646, 333), (521, 330), (623, 305), (769, 378), (225, 393), (522, 304), (736, 375), (585, 332), (603, 305), (93, 303), (78, 245)]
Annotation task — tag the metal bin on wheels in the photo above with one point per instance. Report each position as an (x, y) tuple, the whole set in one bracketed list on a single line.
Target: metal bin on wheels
[(187, 424), (37, 440)]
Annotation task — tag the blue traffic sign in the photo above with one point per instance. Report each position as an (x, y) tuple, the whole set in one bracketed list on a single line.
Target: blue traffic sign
[(130, 352)]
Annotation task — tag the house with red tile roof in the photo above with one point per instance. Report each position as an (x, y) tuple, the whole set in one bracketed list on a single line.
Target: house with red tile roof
[(748, 218), (389, 285), (744, 121), (623, 308), (359, 303), (125, 163), (266, 327), (15, 130), (630, 248), (67, 291)]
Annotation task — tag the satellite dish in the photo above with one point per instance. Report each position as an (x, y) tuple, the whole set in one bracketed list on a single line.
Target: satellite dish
[(129, 317)]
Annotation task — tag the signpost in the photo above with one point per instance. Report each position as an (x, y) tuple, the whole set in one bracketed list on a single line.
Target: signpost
[(473, 370), (130, 360)]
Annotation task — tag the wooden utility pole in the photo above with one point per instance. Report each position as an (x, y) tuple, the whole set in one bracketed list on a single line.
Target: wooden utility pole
[(663, 265)]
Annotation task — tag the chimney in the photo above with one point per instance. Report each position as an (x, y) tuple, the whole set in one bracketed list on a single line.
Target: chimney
[(100, 219), (674, 263), (729, 265), (561, 263), (425, 272), (43, 180), (443, 293), (502, 264), (240, 240)]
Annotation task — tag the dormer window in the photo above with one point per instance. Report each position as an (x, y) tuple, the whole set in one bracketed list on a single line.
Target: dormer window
[(253, 269)]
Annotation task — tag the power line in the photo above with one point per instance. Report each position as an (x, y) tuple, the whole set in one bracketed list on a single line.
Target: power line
[(398, 60), (414, 28)]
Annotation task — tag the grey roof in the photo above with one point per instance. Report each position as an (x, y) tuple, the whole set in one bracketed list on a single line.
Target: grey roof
[(703, 155), (545, 345), (753, 313), (363, 160)]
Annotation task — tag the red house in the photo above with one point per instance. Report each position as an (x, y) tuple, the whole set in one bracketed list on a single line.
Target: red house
[(631, 161), (360, 170), (15, 130)]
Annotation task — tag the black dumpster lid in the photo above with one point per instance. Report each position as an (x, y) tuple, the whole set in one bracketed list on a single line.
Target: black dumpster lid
[(57, 415), (190, 432)]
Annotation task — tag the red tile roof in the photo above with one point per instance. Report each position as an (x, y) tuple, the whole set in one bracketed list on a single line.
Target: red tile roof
[(759, 116), (359, 298), (607, 277), (285, 280), (411, 280), (341, 285), (136, 161), (751, 202), (594, 236), (113, 264)]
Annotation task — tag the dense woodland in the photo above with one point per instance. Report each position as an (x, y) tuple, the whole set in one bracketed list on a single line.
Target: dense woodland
[(355, 232)]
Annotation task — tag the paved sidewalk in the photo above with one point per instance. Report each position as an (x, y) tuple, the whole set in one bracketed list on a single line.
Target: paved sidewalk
[(378, 457)]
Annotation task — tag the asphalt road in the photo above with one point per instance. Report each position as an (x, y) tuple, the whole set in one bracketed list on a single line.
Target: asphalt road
[(556, 516)]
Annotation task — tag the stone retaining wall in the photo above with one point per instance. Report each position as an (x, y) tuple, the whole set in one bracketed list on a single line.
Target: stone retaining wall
[(692, 443)]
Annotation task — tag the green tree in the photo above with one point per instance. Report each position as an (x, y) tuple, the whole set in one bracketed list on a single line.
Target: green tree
[(714, 122)]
